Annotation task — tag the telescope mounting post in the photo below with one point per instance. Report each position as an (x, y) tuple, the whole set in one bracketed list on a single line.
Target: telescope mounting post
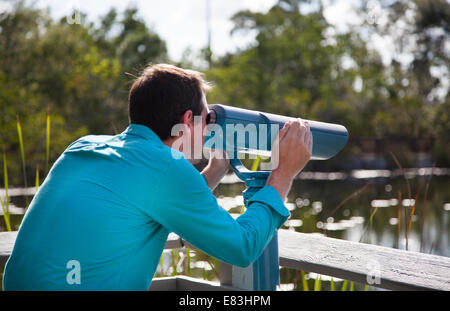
[(264, 273)]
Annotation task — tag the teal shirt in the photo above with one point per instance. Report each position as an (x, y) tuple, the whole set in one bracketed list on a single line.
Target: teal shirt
[(108, 205)]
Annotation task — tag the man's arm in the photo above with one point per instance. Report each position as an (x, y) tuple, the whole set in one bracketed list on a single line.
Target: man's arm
[(215, 170), (183, 203)]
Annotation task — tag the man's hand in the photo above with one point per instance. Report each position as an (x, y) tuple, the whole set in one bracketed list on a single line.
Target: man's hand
[(294, 148), (217, 167)]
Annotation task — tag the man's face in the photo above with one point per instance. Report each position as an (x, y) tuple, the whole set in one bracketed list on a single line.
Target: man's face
[(204, 114), (198, 134)]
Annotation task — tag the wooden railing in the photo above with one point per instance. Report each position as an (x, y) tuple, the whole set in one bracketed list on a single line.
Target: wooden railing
[(377, 266)]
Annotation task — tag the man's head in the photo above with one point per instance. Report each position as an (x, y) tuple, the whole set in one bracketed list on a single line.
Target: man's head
[(165, 95)]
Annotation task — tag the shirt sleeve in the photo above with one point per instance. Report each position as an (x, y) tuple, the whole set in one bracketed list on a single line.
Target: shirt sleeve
[(184, 204)]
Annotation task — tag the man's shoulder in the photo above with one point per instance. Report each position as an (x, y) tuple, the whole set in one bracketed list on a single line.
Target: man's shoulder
[(149, 154), (180, 171), (89, 139)]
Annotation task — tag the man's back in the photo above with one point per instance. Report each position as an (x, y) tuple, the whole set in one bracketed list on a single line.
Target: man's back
[(89, 213)]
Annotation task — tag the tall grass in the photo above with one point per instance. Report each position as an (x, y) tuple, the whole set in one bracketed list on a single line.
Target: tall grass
[(369, 226), (304, 282), (36, 183), (424, 211), (344, 286), (416, 198), (6, 216), (174, 262), (161, 264), (22, 156), (317, 284), (188, 263), (409, 218), (255, 164), (5, 206), (345, 200), (47, 142), (397, 162), (399, 217)]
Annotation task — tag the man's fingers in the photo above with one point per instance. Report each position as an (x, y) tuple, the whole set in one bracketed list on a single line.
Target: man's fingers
[(299, 131), (309, 141), (308, 137), (283, 131), (303, 130)]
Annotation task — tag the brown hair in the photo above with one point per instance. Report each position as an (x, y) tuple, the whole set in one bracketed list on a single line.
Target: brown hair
[(162, 94)]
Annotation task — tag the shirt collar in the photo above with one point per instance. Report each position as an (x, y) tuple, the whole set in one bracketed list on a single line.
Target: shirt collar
[(142, 131)]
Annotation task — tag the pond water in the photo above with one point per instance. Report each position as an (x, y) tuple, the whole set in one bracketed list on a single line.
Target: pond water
[(340, 204), (367, 206)]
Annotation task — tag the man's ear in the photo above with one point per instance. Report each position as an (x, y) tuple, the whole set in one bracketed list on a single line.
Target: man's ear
[(187, 118)]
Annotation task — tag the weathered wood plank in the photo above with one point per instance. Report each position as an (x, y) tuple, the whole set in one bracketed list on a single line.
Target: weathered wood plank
[(397, 269), (7, 240), (390, 268), (173, 241)]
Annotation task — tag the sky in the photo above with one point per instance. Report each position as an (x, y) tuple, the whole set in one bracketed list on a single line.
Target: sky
[(182, 23)]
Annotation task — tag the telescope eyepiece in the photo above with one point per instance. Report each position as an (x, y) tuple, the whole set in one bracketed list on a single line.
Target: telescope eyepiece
[(211, 117)]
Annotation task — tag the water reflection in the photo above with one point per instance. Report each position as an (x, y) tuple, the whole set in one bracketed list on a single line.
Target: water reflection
[(315, 195)]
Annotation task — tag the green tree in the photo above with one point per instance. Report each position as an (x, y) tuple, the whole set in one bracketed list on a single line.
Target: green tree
[(76, 71), (295, 68)]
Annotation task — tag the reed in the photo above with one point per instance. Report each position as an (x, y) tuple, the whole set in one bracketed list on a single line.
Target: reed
[(372, 215), (352, 195), (213, 268), (188, 259), (161, 264), (399, 217), (47, 142), (424, 209), (414, 207), (368, 227), (304, 282), (406, 224), (255, 164), (6, 216), (174, 262), (5, 206), (408, 221), (22, 156), (37, 178), (318, 284), (403, 174)]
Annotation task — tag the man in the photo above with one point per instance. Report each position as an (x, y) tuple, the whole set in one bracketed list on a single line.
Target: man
[(101, 218)]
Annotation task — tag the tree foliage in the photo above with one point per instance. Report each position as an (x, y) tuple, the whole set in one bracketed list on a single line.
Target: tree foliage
[(75, 71), (298, 65)]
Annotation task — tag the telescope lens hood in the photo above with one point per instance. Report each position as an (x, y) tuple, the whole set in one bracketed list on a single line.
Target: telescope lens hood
[(211, 117)]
